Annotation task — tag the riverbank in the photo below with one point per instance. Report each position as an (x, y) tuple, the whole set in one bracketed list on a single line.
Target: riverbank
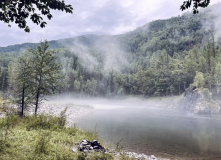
[(75, 110), (42, 137), (47, 136), (144, 125), (151, 127)]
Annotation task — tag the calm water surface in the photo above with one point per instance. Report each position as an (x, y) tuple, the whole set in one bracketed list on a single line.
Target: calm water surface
[(145, 128)]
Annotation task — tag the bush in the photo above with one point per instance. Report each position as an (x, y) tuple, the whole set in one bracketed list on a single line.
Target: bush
[(62, 119), (7, 124), (71, 131), (81, 156), (47, 121), (44, 122), (42, 143)]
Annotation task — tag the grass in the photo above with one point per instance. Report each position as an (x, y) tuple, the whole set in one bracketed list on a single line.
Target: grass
[(42, 138)]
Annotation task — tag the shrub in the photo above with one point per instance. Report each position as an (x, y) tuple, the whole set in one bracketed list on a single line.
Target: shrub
[(42, 122), (71, 131), (62, 119), (42, 144), (7, 124), (47, 121)]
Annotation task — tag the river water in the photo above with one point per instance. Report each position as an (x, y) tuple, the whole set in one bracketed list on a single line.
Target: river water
[(150, 127)]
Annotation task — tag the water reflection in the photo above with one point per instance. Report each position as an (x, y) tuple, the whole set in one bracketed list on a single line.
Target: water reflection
[(153, 130)]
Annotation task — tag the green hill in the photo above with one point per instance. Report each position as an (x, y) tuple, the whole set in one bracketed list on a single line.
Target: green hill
[(159, 58)]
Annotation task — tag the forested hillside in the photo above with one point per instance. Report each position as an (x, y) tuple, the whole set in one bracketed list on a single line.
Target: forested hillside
[(161, 58)]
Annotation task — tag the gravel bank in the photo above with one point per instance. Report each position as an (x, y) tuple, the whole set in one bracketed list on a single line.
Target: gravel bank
[(73, 110)]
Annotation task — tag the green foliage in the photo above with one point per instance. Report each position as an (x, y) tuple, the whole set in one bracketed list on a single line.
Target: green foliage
[(62, 119), (162, 58), (20, 11), (45, 122), (119, 147), (6, 128), (81, 156), (199, 80), (99, 156), (42, 144), (20, 80), (32, 74), (196, 4), (94, 156), (7, 124), (45, 70)]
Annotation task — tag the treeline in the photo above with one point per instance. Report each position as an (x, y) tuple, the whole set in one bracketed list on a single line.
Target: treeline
[(158, 74), (161, 58)]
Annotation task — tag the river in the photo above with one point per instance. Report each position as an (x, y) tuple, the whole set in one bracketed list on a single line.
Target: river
[(153, 127)]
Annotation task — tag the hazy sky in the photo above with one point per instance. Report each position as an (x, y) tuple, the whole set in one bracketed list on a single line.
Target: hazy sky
[(94, 16)]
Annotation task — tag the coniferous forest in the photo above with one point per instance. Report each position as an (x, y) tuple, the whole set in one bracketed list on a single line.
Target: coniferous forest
[(161, 58)]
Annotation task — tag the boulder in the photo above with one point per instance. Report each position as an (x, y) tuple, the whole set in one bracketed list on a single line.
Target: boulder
[(199, 101), (87, 146)]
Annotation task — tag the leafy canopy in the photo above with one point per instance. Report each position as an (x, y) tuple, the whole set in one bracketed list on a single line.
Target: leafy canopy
[(19, 11), (196, 4)]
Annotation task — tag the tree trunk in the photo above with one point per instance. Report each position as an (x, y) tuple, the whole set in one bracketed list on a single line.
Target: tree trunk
[(37, 95), (36, 104), (22, 101), (179, 89), (39, 85)]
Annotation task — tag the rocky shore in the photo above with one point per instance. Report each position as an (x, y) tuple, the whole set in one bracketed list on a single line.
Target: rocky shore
[(143, 156), (72, 110), (88, 147)]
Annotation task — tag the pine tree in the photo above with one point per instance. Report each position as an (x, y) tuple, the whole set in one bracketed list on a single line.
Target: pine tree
[(46, 72), (21, 83)]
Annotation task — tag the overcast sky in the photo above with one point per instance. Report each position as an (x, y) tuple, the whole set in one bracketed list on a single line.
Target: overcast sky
[(96, 17)]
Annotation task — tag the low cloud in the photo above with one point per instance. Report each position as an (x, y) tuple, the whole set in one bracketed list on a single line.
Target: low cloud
[(98, 17)]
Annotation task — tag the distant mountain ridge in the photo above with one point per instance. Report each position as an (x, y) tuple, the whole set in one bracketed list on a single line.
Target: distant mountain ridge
[(161, 58), (54, 44), (174, 35)]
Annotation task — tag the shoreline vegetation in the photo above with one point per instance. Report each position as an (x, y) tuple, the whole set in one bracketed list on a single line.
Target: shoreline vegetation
[(53, 128), (49, 135), (40, 137)]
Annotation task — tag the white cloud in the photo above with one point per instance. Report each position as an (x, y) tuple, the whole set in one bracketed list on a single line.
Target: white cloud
[(97, 16)]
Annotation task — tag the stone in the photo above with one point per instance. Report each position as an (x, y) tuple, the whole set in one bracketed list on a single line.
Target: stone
[(96, 147), (199, 101), (74, 149), (153, 157), (87, 146), (84, 143)]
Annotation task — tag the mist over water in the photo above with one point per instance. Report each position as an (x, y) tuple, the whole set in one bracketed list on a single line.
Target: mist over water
[(151, 126)]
